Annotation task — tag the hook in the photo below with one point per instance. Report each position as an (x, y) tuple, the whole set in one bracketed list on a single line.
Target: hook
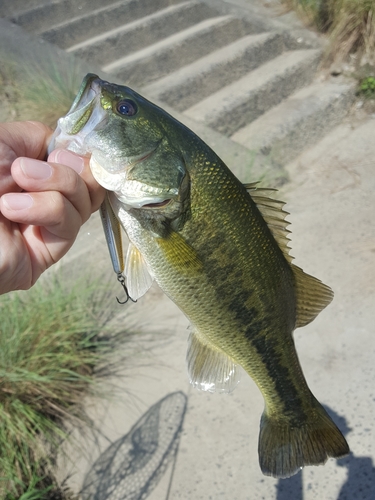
[(121, 280)]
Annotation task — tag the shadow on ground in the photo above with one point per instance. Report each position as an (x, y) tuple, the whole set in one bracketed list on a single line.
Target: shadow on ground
[(132, 466)]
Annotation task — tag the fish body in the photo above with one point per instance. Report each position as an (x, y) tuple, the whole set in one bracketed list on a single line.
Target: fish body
[(219, 250)]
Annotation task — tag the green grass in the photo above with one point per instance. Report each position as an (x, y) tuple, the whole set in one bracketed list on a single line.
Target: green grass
[(38, 91), (367, 87), (53, 339), (47, 99)]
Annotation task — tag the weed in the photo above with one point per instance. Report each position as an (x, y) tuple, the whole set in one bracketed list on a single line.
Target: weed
[(41, 91), (367, 87), (52, 341), (350, 25)]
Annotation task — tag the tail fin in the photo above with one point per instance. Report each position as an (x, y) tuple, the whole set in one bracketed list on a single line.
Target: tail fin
[(284, 449)]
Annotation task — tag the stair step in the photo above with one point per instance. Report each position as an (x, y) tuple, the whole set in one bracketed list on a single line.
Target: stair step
[(39, 18), (175, 51), (10, 8), (141, 33), (241, 102), (93, 26), (192, 83), (284, 131)]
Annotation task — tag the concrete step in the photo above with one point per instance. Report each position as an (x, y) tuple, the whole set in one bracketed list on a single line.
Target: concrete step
[(9, 8), (222, 66), (304, 118), (244, 100), (46, 14), (141, 33), (192, 83), (91, 25), (175, 51)]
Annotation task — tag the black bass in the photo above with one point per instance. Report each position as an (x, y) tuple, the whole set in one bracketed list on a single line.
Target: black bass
[(219, 250)]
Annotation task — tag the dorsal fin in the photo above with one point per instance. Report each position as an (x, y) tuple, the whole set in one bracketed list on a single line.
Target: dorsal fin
[(274, 215), (312, 295)]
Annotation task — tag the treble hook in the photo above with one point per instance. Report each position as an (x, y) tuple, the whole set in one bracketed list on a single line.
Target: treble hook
[(121, 280)]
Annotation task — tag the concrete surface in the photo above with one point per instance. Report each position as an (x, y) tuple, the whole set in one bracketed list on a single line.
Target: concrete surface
[(241, 102), (285, 129), (197, 54)]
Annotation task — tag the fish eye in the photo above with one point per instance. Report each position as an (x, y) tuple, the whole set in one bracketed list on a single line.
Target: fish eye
[(126, 107)]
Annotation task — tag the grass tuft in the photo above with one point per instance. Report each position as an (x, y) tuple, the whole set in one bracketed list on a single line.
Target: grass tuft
[(367, 87), (353, 29), (48, 98), (52, 341), (45, 91), (350, 25)]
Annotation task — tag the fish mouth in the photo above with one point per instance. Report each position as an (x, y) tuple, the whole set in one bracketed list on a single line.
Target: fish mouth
[(82, 107), (84, 116)]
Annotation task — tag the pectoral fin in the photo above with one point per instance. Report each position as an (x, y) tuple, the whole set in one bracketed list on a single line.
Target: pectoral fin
[(209, 368), (138, 277), (180, 254)]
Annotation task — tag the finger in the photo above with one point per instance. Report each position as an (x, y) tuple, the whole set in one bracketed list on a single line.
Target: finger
[(23, 139), (49, 209), (48, 224), (37, 176), (64, 157), (20, 139), (15, 269)]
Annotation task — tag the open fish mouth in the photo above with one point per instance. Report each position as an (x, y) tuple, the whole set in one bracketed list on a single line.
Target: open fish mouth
[(85, 115), (82, 107)]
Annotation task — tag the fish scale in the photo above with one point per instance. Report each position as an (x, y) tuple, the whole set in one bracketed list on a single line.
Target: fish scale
[(220, 251)]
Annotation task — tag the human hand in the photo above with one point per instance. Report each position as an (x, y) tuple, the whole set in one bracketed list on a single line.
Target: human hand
[(42, 203)]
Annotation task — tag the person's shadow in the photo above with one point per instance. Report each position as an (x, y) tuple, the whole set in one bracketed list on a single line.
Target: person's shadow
[(360, 482)]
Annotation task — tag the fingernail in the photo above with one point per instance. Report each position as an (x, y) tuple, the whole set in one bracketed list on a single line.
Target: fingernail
[(17, 201), (70, 159), (35, 169)]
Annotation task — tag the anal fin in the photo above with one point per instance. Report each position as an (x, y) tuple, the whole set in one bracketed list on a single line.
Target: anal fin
[(209, 368)]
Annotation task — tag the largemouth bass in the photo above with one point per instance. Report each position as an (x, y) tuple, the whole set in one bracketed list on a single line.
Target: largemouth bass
[(219, 250)]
